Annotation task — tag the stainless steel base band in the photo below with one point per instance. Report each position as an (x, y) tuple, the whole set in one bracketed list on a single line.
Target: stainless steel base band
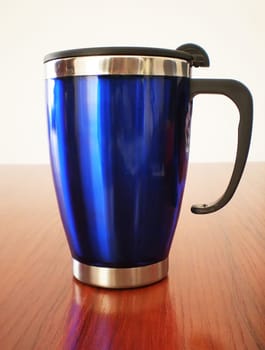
[(108, 277)]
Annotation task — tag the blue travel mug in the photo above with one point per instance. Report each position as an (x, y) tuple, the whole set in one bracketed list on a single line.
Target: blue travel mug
[(119, 130)]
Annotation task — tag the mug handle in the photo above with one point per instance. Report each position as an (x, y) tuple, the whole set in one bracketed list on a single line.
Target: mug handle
[(241, 96)]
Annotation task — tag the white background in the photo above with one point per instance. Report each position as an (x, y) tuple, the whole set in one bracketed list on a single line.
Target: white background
[(231, 31)]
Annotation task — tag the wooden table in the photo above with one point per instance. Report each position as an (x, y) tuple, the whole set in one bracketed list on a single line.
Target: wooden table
[(214, 297)]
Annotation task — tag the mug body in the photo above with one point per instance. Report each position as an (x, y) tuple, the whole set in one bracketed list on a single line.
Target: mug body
[(119, 142)]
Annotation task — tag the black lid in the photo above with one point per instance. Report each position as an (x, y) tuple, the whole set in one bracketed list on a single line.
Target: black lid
[(189, 52)]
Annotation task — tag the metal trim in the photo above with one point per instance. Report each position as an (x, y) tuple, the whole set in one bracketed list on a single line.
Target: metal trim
[(117, 65), (108, 277)]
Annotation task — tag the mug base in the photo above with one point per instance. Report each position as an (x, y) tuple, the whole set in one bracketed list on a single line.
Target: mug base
[(119, 278)]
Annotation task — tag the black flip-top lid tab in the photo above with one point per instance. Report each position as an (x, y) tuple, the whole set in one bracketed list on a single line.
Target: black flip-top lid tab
[(189, 52)]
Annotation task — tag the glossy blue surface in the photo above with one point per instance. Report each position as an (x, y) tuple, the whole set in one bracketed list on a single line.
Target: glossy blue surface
[(119, 148)]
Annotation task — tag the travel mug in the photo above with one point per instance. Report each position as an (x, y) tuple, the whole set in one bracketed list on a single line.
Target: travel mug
[(119, 131)]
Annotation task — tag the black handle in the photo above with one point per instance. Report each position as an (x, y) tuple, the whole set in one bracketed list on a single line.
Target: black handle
[(241, 96)]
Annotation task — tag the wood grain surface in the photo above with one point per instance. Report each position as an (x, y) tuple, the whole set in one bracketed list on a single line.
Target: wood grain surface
[(214, 297)]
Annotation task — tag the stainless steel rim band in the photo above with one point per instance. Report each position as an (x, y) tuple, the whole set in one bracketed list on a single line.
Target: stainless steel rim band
[(117, 65), (108, 277)]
